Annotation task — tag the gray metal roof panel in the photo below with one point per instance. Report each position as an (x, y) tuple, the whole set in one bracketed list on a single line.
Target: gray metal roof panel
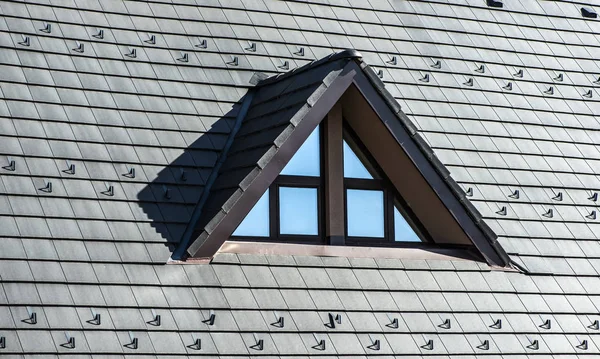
[(287, 277), (328, 299), (434, 302), (259, 276), (380, 300), (460, 302), (352, 300), (54, 294), (296, 299), (269, 299), (528, 241), (231, 343)]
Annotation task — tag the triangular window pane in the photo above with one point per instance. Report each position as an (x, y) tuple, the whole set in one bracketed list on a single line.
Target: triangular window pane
[(307, 160), (403, 232), (353, 166), (256, 223)]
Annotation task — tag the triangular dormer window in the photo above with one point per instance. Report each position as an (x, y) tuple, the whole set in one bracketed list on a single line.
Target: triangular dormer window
[(323, 155)]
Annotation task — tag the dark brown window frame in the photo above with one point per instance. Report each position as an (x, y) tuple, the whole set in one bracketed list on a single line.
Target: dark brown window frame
[(325, 213), (274, 209), (391, 200)]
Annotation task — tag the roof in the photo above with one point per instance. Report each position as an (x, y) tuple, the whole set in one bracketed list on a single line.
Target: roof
[(505, 98)]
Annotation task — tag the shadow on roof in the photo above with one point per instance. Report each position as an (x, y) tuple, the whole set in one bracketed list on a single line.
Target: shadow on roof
[(171, 198)]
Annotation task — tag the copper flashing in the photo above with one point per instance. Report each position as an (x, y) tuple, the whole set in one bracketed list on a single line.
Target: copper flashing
[(267, 248)]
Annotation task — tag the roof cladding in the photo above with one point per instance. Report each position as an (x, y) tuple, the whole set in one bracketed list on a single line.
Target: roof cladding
[(105, 149)]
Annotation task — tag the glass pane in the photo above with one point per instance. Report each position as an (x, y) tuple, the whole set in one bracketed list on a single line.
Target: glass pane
[(298, 213), (365, 213), (353, 166), (307, 161), (256, 223), (403, 232)]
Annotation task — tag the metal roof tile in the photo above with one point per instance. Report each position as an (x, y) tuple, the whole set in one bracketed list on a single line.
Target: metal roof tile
[(370, 279), (422, 280), (396, 279), (288, 277), (380, 300), (346, 344), (459, 302), (87, 295), (327, 299), (230, 275), (485, 302), (315, 277), (448, 281), (180, 297), (259, 276), (342, 277), (54, 294), (289, 343), (239, 298), (36, 341), (298, 299), (352, 300), (269, 298), (79, 272), (46, 271), (418, 322), (229, 343), (118, 295), (434, 300)]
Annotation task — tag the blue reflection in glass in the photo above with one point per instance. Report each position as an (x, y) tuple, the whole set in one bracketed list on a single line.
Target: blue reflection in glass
[(353, 166), (403, 232), (256, 223), (298, 211), (365, 213), (307, 161)]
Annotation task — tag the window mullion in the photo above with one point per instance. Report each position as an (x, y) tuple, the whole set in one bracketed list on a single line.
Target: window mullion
[(274, 211), (389, 215), (334, 177)]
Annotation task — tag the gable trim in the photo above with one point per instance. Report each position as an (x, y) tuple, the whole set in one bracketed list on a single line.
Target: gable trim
[(436, 174)]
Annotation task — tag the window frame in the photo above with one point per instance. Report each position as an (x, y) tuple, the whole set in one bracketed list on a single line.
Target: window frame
[(274, 208), (391, 199)]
